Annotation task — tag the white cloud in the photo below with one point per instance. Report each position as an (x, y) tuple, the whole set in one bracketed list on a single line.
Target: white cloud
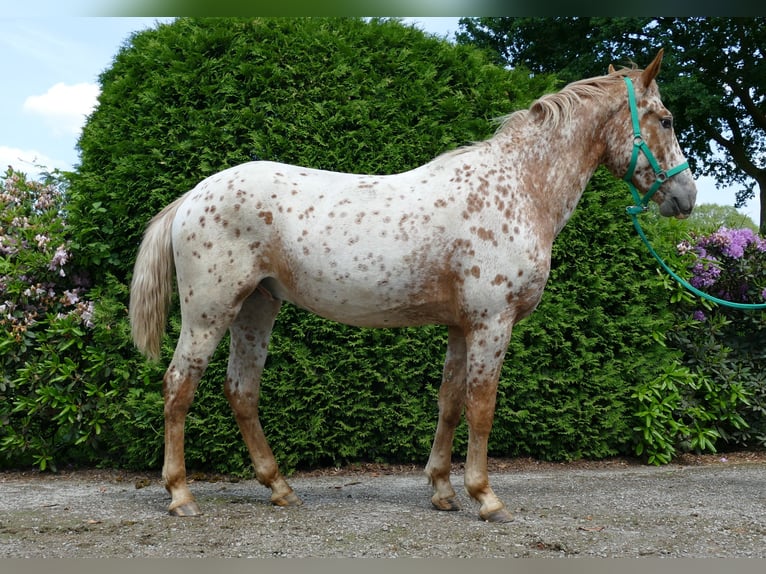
[(64, 107)]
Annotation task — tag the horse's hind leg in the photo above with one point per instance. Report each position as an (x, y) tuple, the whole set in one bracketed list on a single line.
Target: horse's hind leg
[(451, 402), (250, 334), (192, 353)]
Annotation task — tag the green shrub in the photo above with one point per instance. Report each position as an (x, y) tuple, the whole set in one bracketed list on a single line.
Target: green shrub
[(59, 350), (583, 375), (190, 98), (199, 95), (725, 347)]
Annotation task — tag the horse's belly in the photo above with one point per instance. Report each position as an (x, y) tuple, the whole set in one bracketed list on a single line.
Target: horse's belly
[(361, 305)]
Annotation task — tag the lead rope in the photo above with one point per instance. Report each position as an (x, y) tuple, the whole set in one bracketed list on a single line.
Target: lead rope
[(681, 280)]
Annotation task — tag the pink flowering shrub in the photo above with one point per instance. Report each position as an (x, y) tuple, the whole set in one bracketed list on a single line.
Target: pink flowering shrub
[(60, 353), (725, 348), (34, 251), (729, 264)]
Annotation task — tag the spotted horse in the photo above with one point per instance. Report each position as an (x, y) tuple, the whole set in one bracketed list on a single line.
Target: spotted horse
[(462, 241)]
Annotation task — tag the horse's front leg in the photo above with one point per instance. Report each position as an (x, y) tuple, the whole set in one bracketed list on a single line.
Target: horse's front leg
[(451, 402), (486, 347)]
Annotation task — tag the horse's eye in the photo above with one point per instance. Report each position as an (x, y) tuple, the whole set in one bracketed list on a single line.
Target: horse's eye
[(667, 123)]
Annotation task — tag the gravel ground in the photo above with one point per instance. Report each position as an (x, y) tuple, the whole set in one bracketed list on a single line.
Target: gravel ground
[(697, 507)]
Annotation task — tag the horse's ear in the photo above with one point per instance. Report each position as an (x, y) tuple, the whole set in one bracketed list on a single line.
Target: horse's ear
[(652, 69), (611, 69)]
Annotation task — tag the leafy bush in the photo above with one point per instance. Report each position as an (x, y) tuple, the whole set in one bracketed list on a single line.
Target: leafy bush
[(48, 401), (729, 264), (686, 411), (196, 96), (703, 398), (722, 346)]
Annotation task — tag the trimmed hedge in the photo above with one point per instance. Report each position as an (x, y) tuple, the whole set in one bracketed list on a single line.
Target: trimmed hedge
[(191, 98), (333, 394), (187, 99)]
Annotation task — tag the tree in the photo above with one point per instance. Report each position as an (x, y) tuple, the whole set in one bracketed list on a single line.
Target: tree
[(708, 217), (713, 77)]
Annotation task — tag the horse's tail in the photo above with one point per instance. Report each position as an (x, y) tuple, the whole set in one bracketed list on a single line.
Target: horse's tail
[(152, 285)]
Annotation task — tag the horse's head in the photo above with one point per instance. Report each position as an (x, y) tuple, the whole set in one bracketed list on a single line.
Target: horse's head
[(642, 147)]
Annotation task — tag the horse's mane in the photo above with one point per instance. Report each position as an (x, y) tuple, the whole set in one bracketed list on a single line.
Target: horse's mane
[(551, 110)]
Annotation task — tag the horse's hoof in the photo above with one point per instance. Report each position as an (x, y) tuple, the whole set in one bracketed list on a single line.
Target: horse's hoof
[(499, 516), (185, 509), (289, 499), (448, 504)]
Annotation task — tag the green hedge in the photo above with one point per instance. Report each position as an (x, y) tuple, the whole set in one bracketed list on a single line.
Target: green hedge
[(333, 394), (190, 98), (186, 99)]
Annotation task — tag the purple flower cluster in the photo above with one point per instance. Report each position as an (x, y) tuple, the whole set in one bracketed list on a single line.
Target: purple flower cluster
[(729, 264), (33, 288), (732, 242)]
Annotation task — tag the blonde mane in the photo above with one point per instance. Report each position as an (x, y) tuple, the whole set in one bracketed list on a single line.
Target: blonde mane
[(552, 109)]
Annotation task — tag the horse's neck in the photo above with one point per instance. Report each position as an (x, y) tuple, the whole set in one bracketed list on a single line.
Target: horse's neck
[(555, 164)]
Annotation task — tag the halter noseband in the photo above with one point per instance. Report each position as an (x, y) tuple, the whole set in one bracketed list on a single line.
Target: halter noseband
[(639, 145)]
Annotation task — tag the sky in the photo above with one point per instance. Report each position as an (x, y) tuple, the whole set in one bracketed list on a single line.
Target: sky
[(50, 68)]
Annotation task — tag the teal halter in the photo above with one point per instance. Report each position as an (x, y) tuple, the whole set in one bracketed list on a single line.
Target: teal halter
[(641, 203), (639, 145)]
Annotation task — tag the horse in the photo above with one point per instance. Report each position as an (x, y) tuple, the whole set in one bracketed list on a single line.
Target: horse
[(463, 241)]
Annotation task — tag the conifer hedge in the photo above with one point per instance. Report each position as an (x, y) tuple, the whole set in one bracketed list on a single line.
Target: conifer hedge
[(186, 99)]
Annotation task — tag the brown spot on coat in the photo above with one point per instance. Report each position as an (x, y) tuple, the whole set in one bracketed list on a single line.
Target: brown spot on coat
[(485, 234)]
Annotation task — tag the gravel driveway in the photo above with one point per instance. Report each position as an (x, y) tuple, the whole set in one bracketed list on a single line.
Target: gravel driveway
[(700, 507)]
